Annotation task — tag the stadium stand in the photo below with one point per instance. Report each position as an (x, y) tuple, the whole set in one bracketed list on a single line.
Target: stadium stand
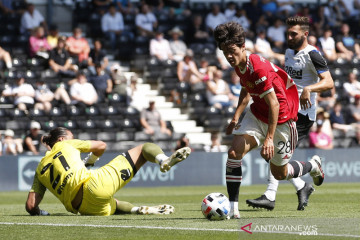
[(116, 120)]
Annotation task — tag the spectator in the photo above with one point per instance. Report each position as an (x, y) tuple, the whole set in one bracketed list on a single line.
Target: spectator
[(31, 19), (305, 12), (197, 32), (112, 25), (338, 120), (269, 8), (53, 36), (218, 91), (152, 122), (183, 141), (323, 115), (214, 18), (349, 8), (22, 93), (230, 10), (6, 57), (263, 48), (354, 111), (146, 22), (45, 98), (14, 6), (253, 11), (187, 70), (285, 8), (241, 18), (235, 88), (39, 46), (102, 83), (78, 48), (176, 9), (82, 92), (126, 7), (215, 144), (120, 83), (319, 139), (6, 8), (327, 99), (312, 40), (160, 48), (346, 43), (11, 146), (276, 35), (60, 61), (101, 6), (352, 87), (97, 56), (327, 43), (333, 14), (222, 61), (32, 141), (177, 46)]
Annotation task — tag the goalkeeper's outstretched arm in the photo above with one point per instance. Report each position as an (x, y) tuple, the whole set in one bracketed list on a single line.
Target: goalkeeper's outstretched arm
[(32, 204)]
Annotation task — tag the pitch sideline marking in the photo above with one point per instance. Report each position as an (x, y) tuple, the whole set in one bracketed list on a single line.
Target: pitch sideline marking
[(163, 228)]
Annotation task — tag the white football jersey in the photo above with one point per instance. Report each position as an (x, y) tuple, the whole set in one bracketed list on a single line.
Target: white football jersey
[(304, 68)]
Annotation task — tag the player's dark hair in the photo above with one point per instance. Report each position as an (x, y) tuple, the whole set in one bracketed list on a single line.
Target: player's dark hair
[(302, 21), (54, 135), (229, 33)]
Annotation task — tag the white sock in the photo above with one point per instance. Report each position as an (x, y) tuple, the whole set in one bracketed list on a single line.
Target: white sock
[(273, 184), (297, 182), (234, 206), (134, 210), (160, 157)]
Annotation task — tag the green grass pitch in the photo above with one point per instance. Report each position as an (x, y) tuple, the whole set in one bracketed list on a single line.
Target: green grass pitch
[(334, 209)]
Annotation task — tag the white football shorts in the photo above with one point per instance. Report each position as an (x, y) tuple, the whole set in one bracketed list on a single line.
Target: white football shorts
[(285, 138)]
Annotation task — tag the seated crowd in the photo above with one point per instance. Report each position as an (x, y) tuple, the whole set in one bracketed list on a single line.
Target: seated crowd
[(178, 35)]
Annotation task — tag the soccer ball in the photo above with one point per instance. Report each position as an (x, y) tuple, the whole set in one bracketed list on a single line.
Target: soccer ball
[(215, 206)]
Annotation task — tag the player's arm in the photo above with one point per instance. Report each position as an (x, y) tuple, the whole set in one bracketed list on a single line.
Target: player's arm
[(244, 99), (96, 149), (326, 82), (35, 196), (267, 151)]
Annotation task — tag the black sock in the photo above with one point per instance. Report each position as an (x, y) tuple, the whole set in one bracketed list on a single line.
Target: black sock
[(299, 168), (233, 178)]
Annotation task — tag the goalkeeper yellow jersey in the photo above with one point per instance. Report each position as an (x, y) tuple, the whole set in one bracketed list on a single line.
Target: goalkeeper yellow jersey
[(62, 171)]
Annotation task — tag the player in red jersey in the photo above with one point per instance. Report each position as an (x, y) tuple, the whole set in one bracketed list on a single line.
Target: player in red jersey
[(270, 123)]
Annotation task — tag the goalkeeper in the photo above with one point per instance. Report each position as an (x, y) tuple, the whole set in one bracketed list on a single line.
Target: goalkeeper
[(90, 192)]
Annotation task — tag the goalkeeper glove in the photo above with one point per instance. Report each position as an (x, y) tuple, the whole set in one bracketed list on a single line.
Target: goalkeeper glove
[(90, 160)]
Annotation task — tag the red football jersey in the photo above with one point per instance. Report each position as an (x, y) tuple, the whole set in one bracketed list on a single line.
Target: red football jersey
[(260, 78)]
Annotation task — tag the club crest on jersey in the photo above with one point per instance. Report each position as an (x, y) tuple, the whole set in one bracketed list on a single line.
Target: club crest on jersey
[(260, 80), (250, 84)]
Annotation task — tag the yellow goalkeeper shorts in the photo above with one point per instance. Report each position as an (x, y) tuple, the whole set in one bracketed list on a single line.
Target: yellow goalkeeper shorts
[(104, 182)]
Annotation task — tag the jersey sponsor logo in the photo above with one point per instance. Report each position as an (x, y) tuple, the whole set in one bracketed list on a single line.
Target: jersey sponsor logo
[(294, 73), (260, 80)]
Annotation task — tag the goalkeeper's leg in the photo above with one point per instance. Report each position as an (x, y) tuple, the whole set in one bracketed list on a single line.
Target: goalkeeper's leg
[(153, 153), (128, 208)]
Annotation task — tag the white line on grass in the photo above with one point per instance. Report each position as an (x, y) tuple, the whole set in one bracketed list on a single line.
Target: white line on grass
[(165, 228)]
